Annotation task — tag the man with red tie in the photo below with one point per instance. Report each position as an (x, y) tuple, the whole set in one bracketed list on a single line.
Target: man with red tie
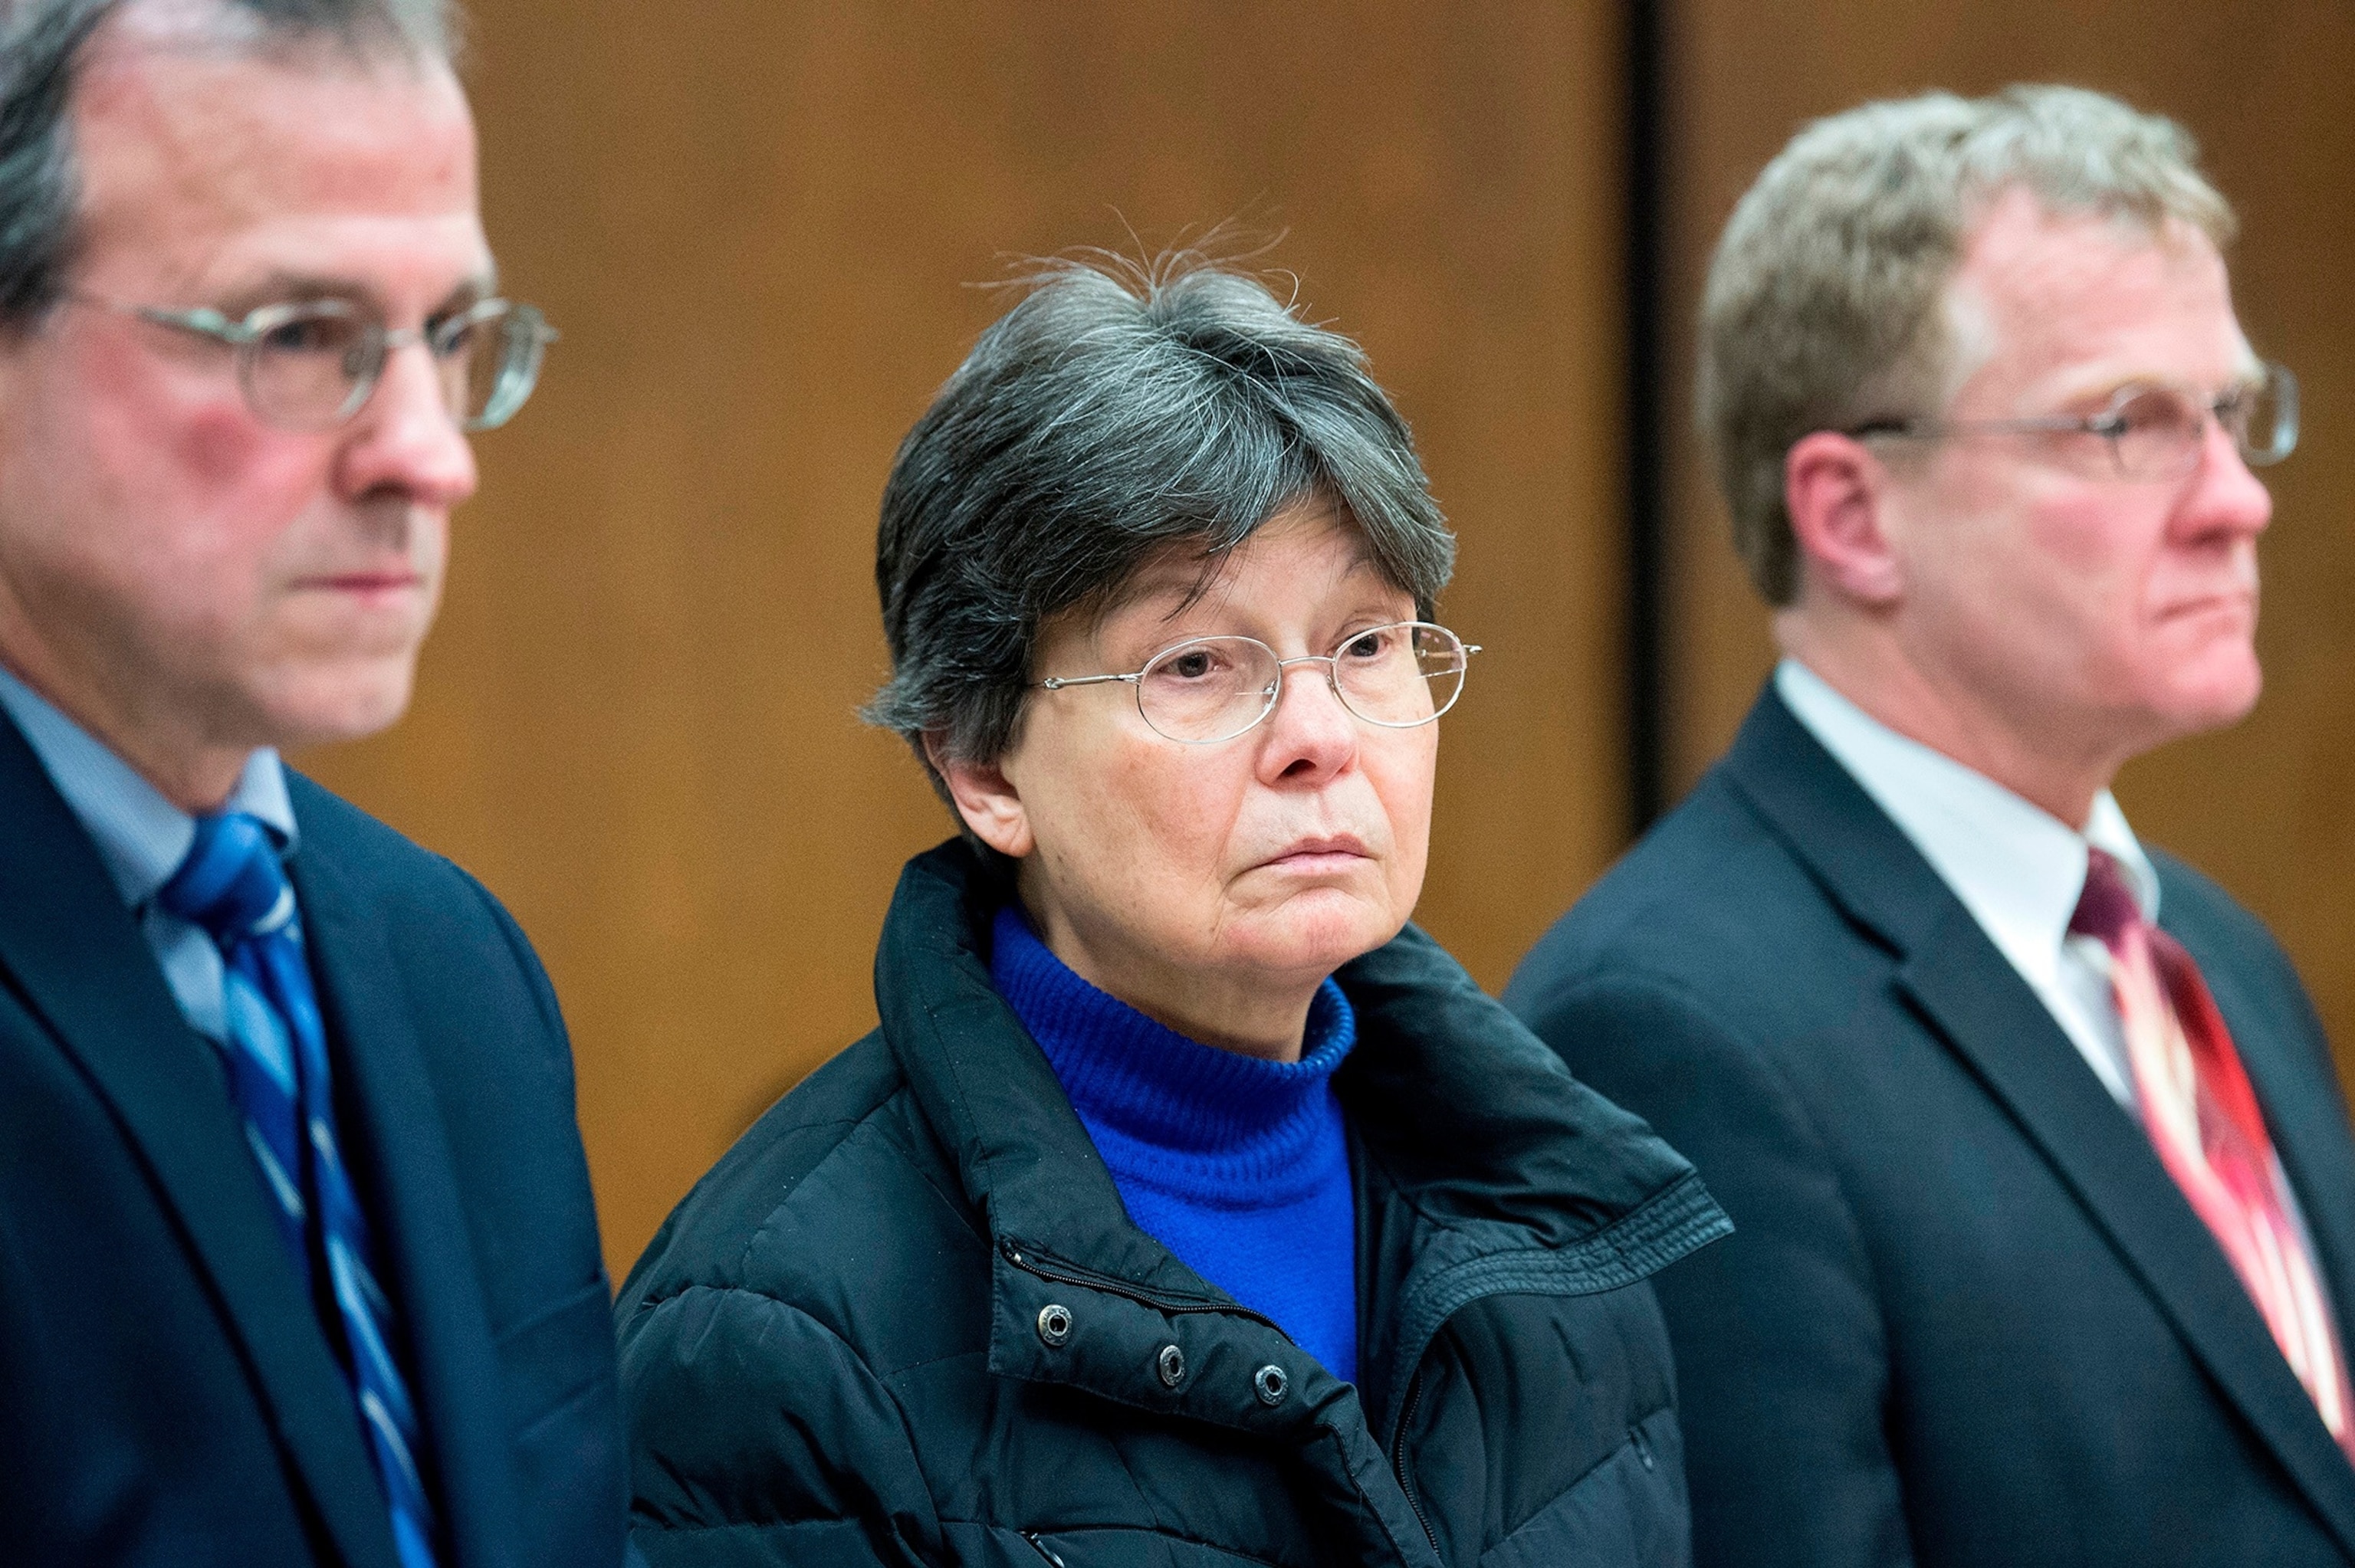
[(2043, 1189)]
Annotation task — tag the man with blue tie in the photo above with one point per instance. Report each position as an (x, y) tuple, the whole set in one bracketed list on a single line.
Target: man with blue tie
[(2043, 1184), (298, 1261)]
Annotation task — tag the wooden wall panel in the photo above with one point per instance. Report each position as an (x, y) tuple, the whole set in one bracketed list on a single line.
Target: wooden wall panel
[(2268, 807), (754, 222)]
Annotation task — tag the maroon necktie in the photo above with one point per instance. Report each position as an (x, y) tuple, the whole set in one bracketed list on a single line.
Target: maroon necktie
[(2203, 1119)]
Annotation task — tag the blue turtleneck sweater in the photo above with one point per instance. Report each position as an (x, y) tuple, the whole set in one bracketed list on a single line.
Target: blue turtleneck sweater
[(1238, 1166)]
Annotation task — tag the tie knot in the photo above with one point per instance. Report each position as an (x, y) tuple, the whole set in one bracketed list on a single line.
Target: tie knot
[(2107, 909), (232, 882)]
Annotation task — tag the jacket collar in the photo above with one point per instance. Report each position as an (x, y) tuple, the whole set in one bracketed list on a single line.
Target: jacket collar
[(1859, 859), (68, 940), (1079, 1296), (989, 1092), (1986, 1013), (1525, 1179), (1531, 1182), (1517, 1176)]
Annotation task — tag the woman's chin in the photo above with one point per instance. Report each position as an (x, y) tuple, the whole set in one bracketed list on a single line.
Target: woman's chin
[(1311, 934)]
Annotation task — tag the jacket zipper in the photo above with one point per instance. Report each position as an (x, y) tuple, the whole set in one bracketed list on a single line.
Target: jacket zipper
[(1398, 1459), (1040, 1548), (1031, 1261)]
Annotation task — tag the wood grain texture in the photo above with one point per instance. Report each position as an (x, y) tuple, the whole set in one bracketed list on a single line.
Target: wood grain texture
[(755, 224), (2268, 807)]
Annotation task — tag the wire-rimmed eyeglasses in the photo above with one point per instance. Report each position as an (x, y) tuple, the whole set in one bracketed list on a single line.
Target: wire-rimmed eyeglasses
[(2155, 432), (1210, 689), (310, 364)]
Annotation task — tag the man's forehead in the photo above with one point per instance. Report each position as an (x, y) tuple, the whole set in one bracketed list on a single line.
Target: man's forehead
[(2017, 234), (2076, 295), (196, 144)]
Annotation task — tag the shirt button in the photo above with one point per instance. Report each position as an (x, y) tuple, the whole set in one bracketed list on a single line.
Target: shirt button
[(1171, 1366), (1272, 1385), (1054, 1323)]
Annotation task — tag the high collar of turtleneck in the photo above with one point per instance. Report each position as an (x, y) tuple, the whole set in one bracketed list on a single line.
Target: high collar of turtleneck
[(1146, 1083)]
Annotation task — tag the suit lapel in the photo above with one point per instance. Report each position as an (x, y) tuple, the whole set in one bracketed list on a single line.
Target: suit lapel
[(1991, 1019), (1865, 865), (83, 965), (1979, 1004), (415, 1206)]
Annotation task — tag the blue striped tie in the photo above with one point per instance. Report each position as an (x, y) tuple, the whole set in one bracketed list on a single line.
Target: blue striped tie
[(232, 885)]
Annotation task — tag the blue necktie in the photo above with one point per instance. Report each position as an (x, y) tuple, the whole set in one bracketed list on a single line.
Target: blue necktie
[(232, 885)]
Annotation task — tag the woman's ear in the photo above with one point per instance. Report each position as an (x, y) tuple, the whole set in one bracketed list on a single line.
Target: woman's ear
[(985, 798)]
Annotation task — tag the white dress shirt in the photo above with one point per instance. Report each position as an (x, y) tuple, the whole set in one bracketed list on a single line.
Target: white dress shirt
[(2018, 869)]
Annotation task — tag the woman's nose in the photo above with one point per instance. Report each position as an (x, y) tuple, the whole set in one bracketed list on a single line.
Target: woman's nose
[(1310, 725)]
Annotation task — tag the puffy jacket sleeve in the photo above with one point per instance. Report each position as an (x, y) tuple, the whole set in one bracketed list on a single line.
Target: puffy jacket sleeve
[(1781, 1353), (758, 1437)]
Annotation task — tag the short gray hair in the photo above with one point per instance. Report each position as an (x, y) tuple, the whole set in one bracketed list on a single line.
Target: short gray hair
[(1117, 413), (42, 43), (1824, 307)]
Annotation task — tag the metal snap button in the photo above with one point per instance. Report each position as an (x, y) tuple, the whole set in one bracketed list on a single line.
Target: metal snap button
[(1171, 1365), (1272, 1384), (1643, 1445), (1054, 1323)]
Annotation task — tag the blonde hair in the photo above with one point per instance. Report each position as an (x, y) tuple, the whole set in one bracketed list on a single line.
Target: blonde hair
[(1823, 308)]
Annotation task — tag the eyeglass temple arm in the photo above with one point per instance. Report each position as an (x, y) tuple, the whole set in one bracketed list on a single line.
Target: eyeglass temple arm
[(2285, 384), (1057, 682), (203, 320), (2061, 423)]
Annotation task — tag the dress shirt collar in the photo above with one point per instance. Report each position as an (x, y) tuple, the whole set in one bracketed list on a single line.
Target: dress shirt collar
[(141, 836), (2017, 868)]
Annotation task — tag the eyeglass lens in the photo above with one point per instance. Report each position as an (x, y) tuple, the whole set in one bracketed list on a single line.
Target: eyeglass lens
[(2158, 431), (315, 364), (1214, 688)]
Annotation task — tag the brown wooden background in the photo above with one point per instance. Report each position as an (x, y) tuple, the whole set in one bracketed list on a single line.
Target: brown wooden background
[(756, 223)]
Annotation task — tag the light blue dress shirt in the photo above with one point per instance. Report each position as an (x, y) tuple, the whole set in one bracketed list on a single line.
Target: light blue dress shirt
[(142, 838)]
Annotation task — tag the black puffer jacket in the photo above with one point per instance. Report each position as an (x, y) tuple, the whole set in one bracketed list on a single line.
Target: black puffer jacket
[(906, 1319)]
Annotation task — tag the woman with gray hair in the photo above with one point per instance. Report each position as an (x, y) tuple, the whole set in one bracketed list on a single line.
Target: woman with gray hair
[(1188, 1207)]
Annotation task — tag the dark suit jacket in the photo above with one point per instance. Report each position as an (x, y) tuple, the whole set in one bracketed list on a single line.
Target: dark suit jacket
[(168, 1395), (1965, 1318)]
